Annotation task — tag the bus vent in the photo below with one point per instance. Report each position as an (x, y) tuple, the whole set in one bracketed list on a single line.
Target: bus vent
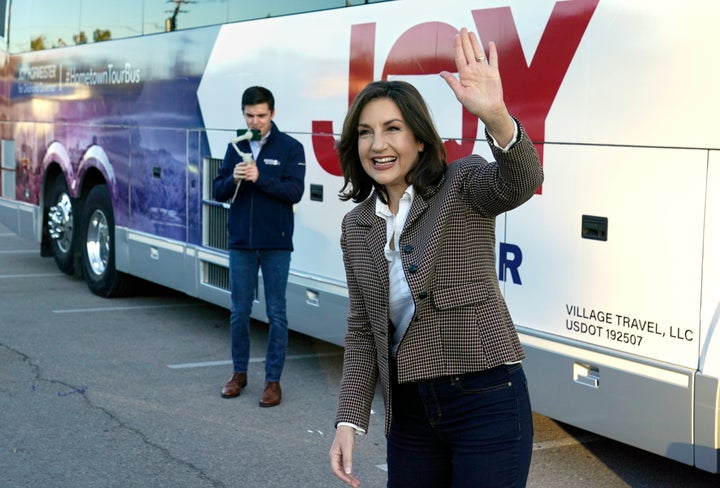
[(216, 220), (214, 227), (215, 214), (217, 276)]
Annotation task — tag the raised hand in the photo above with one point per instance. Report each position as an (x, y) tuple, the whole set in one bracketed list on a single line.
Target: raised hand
[(478, 86)]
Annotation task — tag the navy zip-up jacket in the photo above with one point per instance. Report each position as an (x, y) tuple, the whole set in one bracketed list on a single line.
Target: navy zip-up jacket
[(262, 215)]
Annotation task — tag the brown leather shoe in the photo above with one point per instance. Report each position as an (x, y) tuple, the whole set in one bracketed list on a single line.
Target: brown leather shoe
[(271, 395), (232, 388)]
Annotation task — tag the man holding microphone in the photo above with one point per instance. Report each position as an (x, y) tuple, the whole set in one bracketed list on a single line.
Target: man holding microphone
[(260, 229)]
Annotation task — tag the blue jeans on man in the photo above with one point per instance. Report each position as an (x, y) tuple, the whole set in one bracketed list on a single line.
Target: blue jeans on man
[(275, 268)]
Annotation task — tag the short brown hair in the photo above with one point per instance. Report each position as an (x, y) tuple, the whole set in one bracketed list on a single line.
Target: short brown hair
[(431, 164)]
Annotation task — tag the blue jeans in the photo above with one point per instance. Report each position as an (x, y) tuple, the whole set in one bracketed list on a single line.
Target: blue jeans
[(467, 431), (244, 266)]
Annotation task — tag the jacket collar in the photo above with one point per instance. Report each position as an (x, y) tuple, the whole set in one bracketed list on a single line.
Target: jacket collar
[(270, 137), (367, 217)]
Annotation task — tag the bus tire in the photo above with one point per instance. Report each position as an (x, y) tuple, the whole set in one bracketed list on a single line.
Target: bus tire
[(98, 246), (61, 226)]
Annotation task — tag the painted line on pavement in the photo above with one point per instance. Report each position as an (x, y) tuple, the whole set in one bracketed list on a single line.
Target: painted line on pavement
[(36, 275), (291, 357), (130, 307)]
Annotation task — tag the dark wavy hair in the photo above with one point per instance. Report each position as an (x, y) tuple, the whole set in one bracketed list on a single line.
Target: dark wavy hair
[(432, 160)]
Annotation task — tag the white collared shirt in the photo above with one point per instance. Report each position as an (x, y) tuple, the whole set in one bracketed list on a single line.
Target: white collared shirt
[(256, 145), (401, 306)]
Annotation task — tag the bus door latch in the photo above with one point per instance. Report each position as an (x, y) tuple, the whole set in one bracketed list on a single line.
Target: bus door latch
[(586, 375)]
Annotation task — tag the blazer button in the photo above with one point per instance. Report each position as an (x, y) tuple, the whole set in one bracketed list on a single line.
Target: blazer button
[(412, 268), (407, 249), (422, 295)]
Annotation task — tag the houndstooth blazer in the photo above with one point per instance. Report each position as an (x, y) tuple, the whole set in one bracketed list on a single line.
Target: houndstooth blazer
[(461, 322)]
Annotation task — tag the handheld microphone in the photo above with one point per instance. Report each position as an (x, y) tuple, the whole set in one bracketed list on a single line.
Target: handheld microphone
[(246, 135), (243, 135)]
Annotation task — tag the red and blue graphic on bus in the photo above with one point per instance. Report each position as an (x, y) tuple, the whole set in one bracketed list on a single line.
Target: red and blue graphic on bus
[(137, 106)]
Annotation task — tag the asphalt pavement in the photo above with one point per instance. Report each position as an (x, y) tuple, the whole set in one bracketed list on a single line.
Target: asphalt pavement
[(126, 393)]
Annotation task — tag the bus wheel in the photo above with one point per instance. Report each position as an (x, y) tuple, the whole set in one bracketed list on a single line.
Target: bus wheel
[(98, 246), (61, 226)]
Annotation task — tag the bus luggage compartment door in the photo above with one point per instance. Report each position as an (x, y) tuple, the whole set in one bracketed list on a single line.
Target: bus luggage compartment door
[(646, 405)]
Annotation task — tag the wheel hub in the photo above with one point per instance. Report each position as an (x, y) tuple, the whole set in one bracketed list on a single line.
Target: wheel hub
[(60, 222), (98, 242)]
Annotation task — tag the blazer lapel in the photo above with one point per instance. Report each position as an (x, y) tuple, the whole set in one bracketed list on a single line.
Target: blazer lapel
[(375, 239), (420, 203), (419, 207)]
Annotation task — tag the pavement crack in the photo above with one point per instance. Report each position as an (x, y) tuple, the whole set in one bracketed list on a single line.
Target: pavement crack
[(39, 383)]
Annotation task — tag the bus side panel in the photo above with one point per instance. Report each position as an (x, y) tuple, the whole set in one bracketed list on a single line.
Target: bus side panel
[(612, 250), (710, 308), (158, 199), (707, 423), (628, 288), (707, 391), (20, 218), (648, 406), (317, 222), (317, 310), (20, 205), (158, 182)]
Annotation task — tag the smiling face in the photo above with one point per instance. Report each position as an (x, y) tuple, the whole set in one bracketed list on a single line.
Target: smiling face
[(387, 148)]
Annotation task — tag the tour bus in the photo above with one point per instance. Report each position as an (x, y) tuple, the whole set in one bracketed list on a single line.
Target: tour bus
[(114, 117)]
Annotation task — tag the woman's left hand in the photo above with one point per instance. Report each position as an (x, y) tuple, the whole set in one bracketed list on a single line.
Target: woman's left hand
[(341, 454), (479, 87)]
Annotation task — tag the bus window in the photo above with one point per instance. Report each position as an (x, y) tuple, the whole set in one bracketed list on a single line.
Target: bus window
[(170, 15), (50, 27), (102, 21), (20, 27), (240, 10), (38, 25)]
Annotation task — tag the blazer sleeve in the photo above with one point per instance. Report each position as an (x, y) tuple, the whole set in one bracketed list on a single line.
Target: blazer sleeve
[(508, 182), (360, 368)]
